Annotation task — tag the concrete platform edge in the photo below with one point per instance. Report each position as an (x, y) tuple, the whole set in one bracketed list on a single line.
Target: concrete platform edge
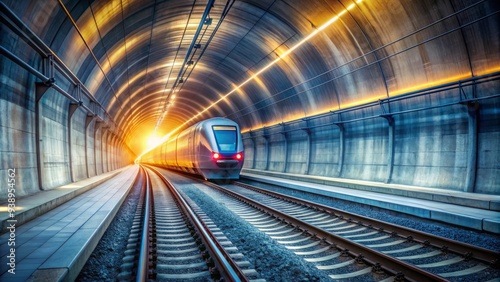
[(86, 250), (53, 274), (28, 214), (459, 220), (446, 197)]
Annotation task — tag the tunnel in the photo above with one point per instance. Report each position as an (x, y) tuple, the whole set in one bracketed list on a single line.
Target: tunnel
[(383, 91)]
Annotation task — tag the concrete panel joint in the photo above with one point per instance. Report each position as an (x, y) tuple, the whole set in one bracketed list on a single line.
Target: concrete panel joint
[(285, 157), (98, 125), (473, 112), (40, 89), (49, 70), (266, 137), (309, 145), (71, 111), (341, 147), (104, 131), (390, 145), (252, 136), (88, 120)]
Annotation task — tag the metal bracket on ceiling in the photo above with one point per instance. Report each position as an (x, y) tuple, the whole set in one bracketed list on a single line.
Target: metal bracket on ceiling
[(49, 70)]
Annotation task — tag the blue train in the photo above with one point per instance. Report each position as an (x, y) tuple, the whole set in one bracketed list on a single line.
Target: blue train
[(212, 148)]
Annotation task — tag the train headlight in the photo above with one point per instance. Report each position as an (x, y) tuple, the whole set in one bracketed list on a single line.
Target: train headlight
[(239, 156), (215, 155)]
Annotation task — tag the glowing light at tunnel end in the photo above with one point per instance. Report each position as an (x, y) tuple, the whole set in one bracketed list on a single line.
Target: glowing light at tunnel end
[(281, 57)]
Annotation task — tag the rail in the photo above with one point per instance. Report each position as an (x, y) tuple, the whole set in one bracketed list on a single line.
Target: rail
[(228, 267), (369, 256), (463, 249), (143, 269)]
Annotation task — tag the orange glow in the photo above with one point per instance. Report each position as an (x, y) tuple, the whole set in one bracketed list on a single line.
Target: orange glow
[(430, 84), (153, 141), (301, 116), (120, 52), (489, 71), (286, 53), (7, 209), (378, 97), (362, 102), (251, 78)]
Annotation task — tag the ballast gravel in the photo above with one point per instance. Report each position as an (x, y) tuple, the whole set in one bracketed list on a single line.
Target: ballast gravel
[(273, 261)]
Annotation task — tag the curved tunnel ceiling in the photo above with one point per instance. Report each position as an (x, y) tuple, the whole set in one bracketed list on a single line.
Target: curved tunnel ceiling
[(167, 64)]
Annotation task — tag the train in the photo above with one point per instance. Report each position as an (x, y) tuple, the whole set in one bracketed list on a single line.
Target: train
[(212, 148)]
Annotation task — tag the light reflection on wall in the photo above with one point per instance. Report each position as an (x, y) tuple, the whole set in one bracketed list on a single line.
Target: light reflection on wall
[(265, 68), (373, 98), (429, 84), (105, 13)]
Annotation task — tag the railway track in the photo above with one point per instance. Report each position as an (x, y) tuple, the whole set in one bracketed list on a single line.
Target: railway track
[(344, 246), (382, 246), (170, 242)]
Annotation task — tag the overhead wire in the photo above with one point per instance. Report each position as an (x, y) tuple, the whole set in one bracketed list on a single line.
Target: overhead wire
[(160, 108), (68, 14), (361, 57), (227, 7)]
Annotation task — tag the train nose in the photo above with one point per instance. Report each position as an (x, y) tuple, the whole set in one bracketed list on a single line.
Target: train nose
[(226, 163), (227, 160)]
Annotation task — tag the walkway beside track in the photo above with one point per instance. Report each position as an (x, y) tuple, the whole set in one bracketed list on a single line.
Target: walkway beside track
[(66, 224), (31, 206), (476, 211)]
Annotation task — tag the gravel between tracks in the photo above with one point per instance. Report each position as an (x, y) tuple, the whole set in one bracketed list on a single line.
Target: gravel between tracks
[(273, 261), (269, 258)]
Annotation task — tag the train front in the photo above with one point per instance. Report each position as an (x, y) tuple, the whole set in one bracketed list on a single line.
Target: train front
[(221, 149)]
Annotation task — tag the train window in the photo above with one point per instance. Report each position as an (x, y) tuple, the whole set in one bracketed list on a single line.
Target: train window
[(225, 137)]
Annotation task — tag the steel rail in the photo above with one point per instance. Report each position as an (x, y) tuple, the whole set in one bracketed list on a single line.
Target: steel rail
[(460, 248), (369, 256), (143, 264), (229, 269)]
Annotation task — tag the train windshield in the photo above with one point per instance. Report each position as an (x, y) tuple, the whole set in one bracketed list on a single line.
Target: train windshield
[(225, 137)]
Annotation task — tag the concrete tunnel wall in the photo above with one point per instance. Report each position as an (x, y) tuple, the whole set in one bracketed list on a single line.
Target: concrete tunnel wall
[(431, 147), (18, 142), (447, 138)]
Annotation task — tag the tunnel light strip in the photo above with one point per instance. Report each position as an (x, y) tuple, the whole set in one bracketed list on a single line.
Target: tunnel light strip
[(282, 56)]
